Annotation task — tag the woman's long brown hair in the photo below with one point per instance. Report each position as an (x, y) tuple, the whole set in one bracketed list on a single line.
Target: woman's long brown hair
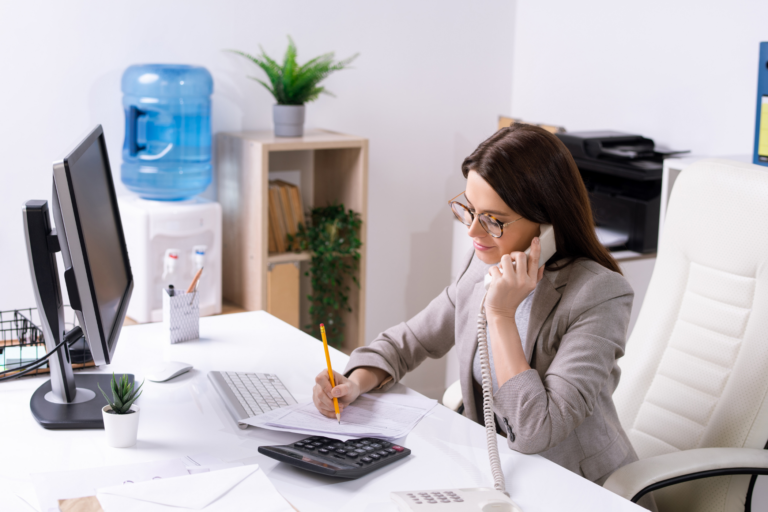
[(534, 173)]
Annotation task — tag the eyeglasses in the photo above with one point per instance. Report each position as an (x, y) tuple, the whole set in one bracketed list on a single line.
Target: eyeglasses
[(489, 223)]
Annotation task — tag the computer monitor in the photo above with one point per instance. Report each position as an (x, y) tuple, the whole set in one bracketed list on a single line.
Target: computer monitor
[(89, 234)]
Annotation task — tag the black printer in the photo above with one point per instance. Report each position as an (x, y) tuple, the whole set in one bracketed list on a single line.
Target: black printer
[(622, 173)]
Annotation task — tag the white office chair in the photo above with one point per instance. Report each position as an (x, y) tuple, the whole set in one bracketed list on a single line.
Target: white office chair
[(693, 395)]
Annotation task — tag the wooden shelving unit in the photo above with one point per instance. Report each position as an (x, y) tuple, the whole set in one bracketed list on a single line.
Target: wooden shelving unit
[(331, 168)]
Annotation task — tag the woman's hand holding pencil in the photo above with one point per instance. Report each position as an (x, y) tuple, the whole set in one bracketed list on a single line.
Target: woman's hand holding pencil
[(333, 391), (346, 391)]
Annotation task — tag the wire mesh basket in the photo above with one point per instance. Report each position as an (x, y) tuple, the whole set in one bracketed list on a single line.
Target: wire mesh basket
[(22, 340)]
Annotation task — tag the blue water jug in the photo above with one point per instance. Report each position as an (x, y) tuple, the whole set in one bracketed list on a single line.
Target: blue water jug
[(167, 149)]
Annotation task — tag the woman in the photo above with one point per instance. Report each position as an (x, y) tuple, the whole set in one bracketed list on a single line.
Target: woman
[(555, 332)]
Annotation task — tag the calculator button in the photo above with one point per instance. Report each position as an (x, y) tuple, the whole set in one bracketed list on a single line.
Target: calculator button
[(391, 451), (369, 448), (352, 455), (366, 459), (375, 456), (309, 446), (340, 451), (361, 451), (318, 444), (322, 450), (384, 444), (377, 446), (383, 453), (365, 442), (299, 445), (397, 448)]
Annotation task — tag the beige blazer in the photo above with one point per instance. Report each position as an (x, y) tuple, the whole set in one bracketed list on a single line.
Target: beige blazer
[(561, 408)]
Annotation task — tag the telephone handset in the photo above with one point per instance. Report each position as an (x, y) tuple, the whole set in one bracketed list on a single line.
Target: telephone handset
[(548, 249), (479, 499)]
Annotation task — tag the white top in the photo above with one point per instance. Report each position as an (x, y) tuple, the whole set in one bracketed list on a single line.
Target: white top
[(522, 315), (185, 417)]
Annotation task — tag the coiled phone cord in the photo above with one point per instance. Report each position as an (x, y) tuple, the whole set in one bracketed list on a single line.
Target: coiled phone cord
[(488, 414)]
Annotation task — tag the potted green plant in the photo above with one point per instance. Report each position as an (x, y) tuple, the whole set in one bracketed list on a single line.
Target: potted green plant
[(294, 85), (121, 415), (333, 238)]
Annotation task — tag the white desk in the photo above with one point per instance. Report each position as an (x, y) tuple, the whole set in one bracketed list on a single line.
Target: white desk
[(185, 417)]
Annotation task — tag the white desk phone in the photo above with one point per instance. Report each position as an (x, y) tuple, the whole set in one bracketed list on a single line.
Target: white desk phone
[(479, 499)]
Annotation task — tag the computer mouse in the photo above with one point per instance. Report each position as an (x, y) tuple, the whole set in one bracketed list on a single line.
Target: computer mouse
[(168, 371)]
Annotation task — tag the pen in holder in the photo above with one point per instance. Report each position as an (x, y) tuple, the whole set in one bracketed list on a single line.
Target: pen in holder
[(181, 316)]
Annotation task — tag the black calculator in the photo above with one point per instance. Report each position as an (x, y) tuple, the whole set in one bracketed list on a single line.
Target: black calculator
[(350, 459)]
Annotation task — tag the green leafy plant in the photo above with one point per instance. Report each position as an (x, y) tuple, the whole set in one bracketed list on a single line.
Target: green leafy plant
[(333, 237), (294, 84), (123, 394)]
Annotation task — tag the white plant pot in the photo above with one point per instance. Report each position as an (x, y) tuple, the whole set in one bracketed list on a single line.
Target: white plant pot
[(121, 429), (289, 120)]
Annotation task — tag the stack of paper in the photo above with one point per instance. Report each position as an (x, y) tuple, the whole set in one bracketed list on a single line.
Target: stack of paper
[(239, 488), (199, 482), (386, 416)]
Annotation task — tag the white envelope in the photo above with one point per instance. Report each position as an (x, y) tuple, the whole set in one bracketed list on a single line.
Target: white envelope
[(239, 488)]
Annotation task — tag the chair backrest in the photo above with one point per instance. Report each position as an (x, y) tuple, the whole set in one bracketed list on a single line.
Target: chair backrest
[(695, 373)]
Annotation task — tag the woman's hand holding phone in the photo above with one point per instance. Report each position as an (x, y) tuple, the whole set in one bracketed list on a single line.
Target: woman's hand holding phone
[(513, 282)]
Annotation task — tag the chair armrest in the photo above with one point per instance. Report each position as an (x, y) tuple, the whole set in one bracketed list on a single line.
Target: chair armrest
[(452, 398), (638, 478)]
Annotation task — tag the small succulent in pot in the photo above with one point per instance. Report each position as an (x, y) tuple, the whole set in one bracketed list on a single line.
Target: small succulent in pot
[(123, 395)]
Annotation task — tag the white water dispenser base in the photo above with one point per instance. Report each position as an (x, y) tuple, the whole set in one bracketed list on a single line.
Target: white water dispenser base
[(189, 227)]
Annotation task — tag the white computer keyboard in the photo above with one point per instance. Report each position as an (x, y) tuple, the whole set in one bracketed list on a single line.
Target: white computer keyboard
[(250, 394)]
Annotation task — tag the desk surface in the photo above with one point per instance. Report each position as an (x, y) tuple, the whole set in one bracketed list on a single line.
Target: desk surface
[(185, 417)]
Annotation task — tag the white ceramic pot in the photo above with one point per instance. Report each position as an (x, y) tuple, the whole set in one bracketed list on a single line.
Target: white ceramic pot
[(289, 120), (121, 429)]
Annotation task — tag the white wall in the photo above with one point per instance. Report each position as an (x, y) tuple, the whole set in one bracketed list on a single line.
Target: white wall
[(681, 72), (431, 79)]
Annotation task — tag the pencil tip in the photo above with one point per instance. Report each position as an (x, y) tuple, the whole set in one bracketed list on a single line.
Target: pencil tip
[(338, 418)]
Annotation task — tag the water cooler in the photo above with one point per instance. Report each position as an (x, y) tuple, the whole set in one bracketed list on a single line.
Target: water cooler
[(169, 231)]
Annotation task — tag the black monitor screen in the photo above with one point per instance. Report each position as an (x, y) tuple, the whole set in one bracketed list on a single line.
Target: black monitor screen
[(101, 231)]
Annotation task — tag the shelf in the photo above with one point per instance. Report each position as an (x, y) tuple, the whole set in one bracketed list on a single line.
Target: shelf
[(287, 257), (329, 168), (312, 139)]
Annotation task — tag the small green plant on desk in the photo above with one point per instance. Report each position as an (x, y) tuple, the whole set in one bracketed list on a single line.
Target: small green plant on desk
[(292, 83), (333, 238), (123, 395)]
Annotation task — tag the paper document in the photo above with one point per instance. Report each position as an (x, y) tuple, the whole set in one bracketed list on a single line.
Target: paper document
[(386, 416), (239, 488), (610, 237), (77, 483)]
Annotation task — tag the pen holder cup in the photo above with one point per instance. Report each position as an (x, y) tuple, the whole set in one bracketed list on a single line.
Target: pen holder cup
[(181, 316)]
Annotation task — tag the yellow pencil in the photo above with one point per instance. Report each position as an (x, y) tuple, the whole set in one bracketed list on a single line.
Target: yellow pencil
[(330, 372)]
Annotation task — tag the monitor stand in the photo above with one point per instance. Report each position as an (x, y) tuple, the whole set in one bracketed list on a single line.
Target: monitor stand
[(83, 412), (65, 401)]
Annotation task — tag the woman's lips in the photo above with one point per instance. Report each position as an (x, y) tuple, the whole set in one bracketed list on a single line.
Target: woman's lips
[(480, 247)]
